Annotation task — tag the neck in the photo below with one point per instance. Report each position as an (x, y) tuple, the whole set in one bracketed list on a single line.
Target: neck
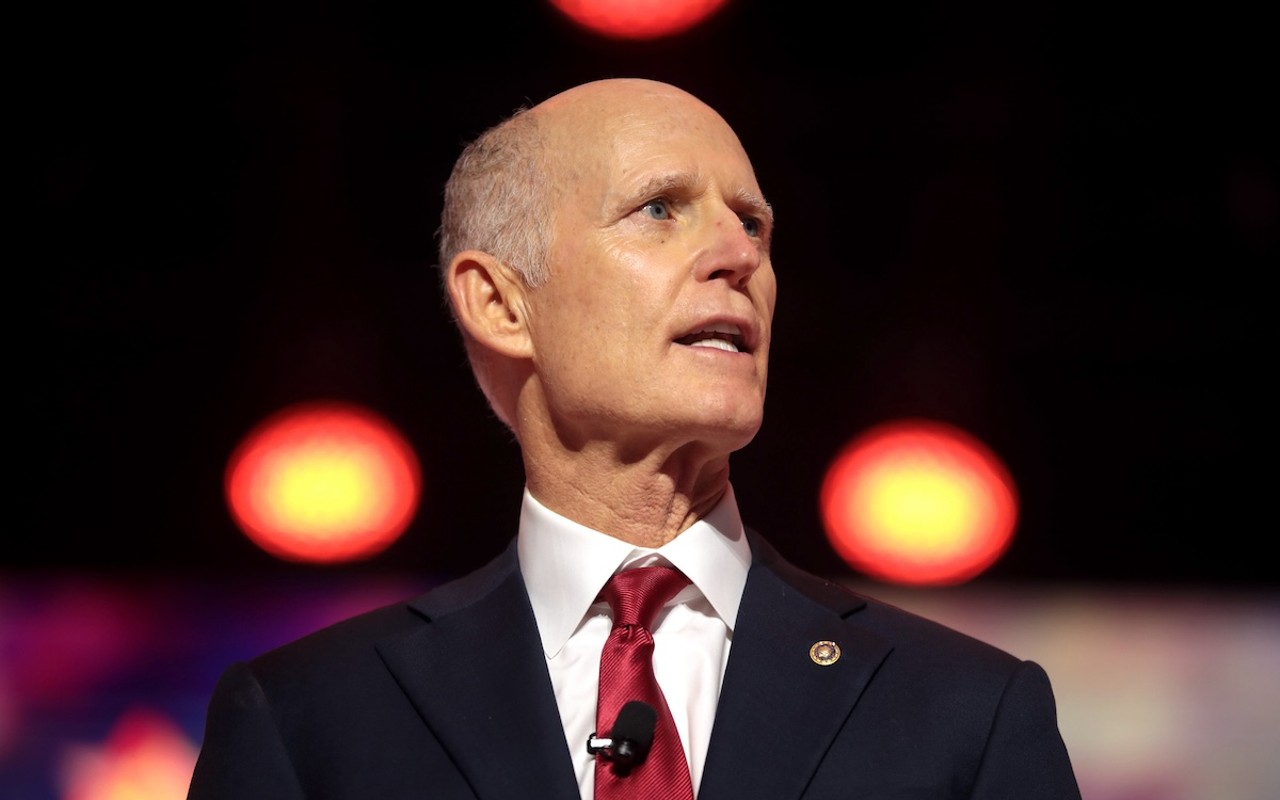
[(645, 501)]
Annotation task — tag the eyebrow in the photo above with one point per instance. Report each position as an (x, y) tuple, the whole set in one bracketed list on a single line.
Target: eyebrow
[(757, 205), (684, 180)]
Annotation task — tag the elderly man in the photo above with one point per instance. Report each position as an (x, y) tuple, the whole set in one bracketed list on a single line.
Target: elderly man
[(606, 257)]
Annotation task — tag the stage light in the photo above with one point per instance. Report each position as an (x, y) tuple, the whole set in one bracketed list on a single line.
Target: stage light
[(323, 482), (637, 19), (918, 502), (145, 757)]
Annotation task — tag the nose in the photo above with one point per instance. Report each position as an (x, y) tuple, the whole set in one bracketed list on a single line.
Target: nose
[(731, 254)]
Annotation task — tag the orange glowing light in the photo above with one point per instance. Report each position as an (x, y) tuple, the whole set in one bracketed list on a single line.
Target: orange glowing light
[(918, 502), (638, 19), (323, 482), (145, 757)]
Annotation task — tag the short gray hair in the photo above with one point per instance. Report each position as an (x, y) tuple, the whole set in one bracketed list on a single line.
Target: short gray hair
[(498, 199)]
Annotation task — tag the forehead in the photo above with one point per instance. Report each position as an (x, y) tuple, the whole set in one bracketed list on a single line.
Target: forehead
[(614, 147)]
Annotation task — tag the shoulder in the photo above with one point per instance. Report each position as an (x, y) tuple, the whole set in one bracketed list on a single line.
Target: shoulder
[(914, 639), (351, 644)]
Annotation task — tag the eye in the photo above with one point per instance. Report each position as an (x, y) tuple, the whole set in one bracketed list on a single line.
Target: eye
[(751, 225), (658, 208)]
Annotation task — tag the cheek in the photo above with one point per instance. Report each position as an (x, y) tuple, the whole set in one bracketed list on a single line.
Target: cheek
[(626, 262), (768, 287)]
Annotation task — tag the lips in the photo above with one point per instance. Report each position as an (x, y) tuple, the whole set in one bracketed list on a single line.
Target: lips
[(726, 336)]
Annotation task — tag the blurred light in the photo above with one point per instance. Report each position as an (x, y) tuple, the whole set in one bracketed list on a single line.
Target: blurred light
[(323, 482), (918, 502), (62, 637), (145, 757), (637, 19)]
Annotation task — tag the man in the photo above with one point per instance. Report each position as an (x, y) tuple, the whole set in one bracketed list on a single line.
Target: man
[(606, 257)]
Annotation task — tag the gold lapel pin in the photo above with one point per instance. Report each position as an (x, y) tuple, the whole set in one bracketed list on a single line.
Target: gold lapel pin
[(824, 653)]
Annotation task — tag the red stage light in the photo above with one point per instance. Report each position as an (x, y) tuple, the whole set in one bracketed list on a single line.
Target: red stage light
[(918, 502), (637, 19), (323, 482)]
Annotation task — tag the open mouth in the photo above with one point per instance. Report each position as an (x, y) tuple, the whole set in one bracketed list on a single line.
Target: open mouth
[(720, 336)]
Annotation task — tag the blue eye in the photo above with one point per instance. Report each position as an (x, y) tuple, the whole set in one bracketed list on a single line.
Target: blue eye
[(751, 225), (658, 209)]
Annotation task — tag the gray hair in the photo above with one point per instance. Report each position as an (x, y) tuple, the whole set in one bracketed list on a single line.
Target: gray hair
[(498, 199)]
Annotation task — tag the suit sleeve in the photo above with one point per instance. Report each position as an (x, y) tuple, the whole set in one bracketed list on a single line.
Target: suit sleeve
[(1025, 756), (242, 756)]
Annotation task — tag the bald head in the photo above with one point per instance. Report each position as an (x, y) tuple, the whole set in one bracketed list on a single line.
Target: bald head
[(590, 106), (503, 191)]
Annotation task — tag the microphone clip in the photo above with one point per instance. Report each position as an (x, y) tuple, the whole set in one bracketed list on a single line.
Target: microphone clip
[(629, 741), (622, 752)]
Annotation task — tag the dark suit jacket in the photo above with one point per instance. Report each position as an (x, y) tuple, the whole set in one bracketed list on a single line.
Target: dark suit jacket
[(448, 696)]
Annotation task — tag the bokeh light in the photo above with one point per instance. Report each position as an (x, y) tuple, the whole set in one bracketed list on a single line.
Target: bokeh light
[(918, 502), (638, 19), (146, 757), (323, 482)]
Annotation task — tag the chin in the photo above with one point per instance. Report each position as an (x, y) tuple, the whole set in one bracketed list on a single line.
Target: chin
[(730, 431)]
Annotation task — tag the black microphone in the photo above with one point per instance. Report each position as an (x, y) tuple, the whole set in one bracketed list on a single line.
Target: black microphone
[(632, 736)]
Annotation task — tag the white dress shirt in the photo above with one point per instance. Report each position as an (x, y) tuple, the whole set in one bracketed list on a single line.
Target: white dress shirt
[(565, 565)]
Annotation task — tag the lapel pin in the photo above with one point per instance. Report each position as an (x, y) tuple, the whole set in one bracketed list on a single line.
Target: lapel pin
[(824, 653)]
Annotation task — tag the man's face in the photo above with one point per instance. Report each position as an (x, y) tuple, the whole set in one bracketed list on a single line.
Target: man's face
[(654, 326)]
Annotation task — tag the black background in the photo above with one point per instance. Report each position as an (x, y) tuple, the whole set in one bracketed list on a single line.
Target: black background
[(1050, 224)]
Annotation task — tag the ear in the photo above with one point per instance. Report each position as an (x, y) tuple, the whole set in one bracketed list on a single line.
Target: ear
[(488, 298)]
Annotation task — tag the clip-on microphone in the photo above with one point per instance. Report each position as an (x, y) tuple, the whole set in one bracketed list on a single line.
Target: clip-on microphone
[(632, 736)]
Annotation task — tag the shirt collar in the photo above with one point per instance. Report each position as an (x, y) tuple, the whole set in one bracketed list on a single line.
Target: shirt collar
[(565, 565)]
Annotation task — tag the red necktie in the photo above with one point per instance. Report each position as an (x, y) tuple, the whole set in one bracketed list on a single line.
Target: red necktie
[(626, 673)]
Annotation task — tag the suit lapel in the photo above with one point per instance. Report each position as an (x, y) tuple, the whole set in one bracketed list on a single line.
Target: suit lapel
[(476, 673), (778, 709)]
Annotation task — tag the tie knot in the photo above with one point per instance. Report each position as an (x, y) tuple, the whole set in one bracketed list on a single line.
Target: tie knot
[(636, 595)]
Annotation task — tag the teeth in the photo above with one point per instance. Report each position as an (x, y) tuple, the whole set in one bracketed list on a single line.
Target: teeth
[(720, 335), (719, 344), (722, 327)]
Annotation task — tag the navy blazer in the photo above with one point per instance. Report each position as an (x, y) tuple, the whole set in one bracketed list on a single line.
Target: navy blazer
[(448, 696)]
